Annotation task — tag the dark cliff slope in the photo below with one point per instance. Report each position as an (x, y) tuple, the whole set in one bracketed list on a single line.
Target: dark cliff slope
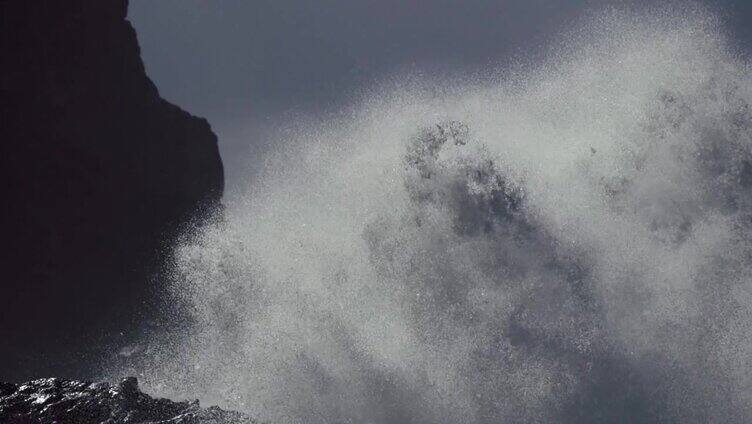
[(98, 172)]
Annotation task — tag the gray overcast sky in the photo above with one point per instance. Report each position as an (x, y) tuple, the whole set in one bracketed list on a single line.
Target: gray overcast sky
[(241, 64)]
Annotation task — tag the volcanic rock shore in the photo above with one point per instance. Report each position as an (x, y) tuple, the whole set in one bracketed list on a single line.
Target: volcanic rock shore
[(57, 401)]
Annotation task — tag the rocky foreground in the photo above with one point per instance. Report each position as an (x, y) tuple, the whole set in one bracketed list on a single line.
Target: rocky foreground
[(57, 401)]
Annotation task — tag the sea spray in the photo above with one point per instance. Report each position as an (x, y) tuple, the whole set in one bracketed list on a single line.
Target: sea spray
[(568, 243)]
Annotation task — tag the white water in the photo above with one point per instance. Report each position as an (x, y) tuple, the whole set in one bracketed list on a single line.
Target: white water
[(575, 247)]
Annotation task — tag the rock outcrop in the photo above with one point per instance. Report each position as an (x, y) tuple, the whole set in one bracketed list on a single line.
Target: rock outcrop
[(51, 400), (98, 173)]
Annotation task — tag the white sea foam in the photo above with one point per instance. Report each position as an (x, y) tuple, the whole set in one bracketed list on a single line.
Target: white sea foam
[(565, 243)]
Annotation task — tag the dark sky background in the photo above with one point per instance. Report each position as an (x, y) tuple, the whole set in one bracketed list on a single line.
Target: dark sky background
[(246, 65)]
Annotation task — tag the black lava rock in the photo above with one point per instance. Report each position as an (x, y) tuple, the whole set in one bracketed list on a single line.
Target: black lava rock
[(50, 400)]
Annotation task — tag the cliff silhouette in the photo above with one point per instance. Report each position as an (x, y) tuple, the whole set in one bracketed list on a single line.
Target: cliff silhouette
[(100, 173)]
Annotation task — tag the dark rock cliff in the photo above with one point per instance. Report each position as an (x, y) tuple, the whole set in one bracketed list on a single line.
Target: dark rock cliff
[(50, 400), (98, 173)]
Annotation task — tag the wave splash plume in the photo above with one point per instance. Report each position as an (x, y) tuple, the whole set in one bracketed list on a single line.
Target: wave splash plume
[(567, 243)]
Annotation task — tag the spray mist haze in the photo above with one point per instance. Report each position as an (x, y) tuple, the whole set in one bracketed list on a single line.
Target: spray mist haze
[(567, 243)]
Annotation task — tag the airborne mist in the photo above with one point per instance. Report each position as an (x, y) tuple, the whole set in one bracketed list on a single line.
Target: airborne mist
[(567, 243)]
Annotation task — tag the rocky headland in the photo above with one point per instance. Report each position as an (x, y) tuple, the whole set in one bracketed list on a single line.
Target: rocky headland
[(100, 173)]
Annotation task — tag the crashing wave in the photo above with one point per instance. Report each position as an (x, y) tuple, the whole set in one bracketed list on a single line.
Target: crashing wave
[(571, 244)]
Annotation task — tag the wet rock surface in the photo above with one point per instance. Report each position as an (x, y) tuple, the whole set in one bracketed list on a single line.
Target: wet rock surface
[(52, 400)]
